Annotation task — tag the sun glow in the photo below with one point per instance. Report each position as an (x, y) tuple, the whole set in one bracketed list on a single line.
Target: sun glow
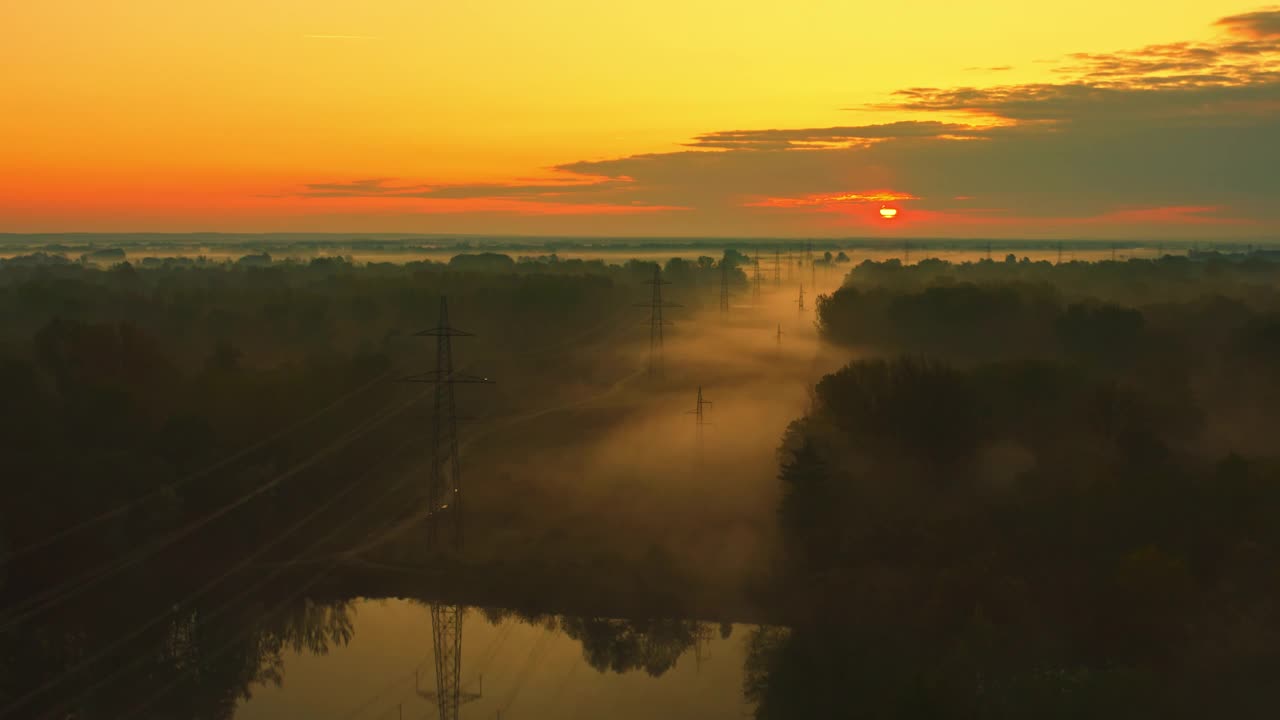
[(888, 213)]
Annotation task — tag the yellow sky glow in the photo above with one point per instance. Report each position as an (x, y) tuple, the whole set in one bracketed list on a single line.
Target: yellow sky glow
[(197, 110)]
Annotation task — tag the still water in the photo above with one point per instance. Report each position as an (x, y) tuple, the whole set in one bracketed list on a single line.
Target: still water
[(549, 668)]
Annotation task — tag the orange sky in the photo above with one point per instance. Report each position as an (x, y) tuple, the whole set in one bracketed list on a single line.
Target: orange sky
[(660, 117)]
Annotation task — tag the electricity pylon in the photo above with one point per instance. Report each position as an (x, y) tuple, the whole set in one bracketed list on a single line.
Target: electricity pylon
[(779, 336), (1059, 254), (697, 411), (724, 287), (777, 267), (791, 266), (800, 302), (446, 637), (656, 322), (444, 489), (700, 418)]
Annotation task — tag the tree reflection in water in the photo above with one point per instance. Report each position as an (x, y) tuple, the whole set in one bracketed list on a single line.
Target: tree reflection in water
[(621, 646), (195, 666), (201, 665)]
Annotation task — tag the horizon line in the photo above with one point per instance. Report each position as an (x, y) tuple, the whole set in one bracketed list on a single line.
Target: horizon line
[(550, 238)]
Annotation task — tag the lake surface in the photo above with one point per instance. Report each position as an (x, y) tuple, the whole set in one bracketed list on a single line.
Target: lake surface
[(519, 669)]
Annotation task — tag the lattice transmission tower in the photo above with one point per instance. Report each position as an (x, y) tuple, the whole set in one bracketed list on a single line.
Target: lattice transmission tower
[(800, 302), (444, 486), (656, 322), (700, 418), (697, 412), (724, 287), (446, 637)]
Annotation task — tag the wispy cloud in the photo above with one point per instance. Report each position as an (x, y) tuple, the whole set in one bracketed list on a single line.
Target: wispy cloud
[(832, 201), (546, 190), (801, 138), (573, 195), (1262, 24)]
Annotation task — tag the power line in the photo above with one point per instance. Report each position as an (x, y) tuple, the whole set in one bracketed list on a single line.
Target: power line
[(202, 591), (219, 610), (279, 607), (522, 676), (75, 586), (178, 484), (487, 658), (506, 423), (168, 488)]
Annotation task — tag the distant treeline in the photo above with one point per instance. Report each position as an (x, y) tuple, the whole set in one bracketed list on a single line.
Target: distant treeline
[(286, 308), (1170, 277)]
